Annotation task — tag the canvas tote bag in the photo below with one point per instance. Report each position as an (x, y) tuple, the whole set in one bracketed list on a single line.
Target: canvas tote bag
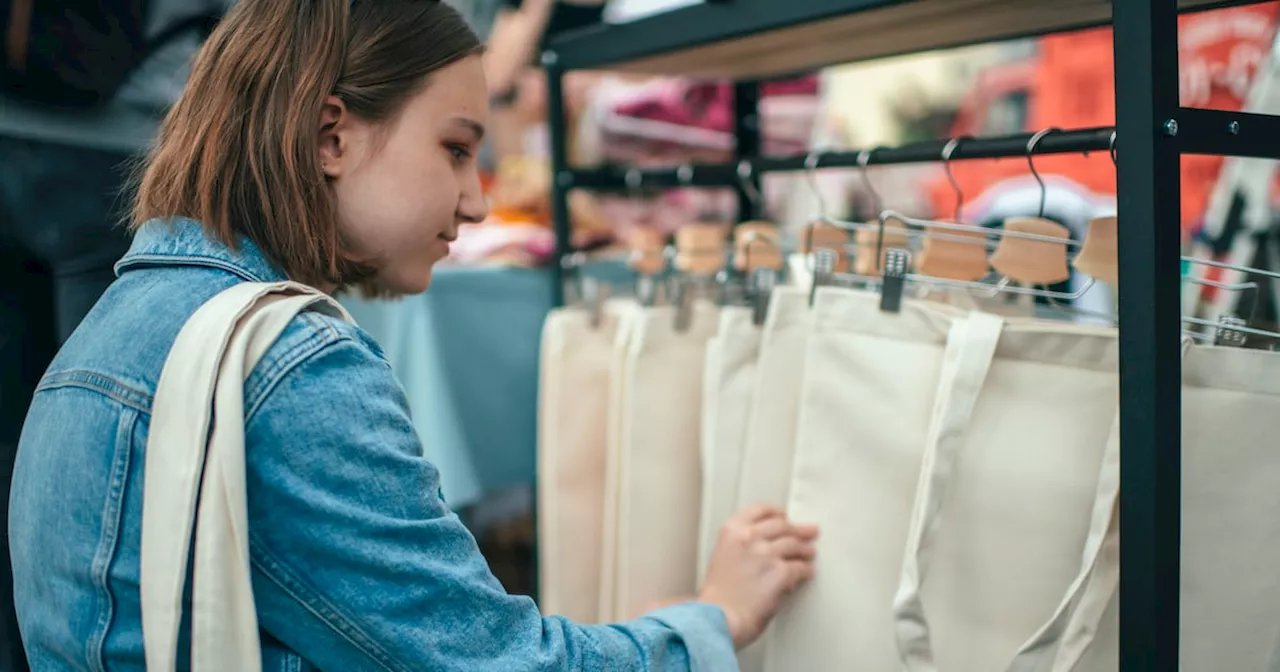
[(195, 450), (1230, 617), (863, 406), (1025, 378), (1017, 510), (657, 467), (627, 312), (765, 474), (728, 384), (775, 403), (573, 409)]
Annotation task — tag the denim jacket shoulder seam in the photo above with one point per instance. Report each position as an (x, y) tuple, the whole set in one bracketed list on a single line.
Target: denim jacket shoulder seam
[(282, 364), (281, 574), (184, 260), (118, 390)]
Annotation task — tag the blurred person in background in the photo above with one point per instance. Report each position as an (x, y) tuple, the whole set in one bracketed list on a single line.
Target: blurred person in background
[(517, 85), (522, 30), (78, 102)]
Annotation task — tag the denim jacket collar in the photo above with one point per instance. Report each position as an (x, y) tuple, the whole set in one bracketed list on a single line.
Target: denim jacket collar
[(183, 242)]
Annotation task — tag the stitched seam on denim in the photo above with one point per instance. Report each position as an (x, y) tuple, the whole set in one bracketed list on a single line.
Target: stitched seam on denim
[(280, 367), (108, 544), (268, 369), (280, 574), (186, 260), (97, 382), (317, 320)]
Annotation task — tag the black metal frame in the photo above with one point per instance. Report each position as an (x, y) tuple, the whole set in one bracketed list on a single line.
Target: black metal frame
[(725, 175), (1153, 131), (1148, 193)]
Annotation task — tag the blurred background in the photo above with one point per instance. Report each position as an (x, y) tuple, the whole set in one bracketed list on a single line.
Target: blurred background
[(467, 351)]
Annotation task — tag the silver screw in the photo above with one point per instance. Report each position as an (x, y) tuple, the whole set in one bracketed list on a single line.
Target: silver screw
[(1233, 128), (549, 58), (1171, 127)]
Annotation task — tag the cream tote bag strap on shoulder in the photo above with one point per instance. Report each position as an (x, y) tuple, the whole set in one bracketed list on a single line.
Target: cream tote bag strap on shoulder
[(188, 457)]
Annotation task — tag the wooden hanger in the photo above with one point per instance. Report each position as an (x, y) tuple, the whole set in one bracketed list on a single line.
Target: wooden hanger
[(647, 247), (823, 235), (1032, 262), (1098, 256), (755, 245), (700, 249), (955, 255), (895, 235)]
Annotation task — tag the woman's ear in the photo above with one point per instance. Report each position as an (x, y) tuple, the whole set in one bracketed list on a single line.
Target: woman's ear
[(334, 129)]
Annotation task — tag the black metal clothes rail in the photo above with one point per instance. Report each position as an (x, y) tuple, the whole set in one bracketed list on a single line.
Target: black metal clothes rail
[(754, 39), (730, 174)]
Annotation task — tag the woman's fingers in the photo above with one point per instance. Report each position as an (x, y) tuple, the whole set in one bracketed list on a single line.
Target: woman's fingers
[(771, 528), (792, 548), (758, 513)]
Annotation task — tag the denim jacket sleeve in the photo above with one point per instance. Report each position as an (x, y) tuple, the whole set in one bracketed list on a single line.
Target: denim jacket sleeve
[(358, 563)]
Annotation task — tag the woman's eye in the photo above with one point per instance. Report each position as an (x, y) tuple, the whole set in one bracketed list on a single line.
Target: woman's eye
[(459, 152)]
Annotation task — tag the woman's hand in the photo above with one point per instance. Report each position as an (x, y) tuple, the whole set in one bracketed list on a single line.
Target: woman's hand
[(759, 559)]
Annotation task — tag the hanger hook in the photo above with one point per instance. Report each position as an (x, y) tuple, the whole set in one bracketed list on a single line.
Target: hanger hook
[(811, 173), (864, 157), (745, 169), (1111, 147), (1031, 148), (947, 151)]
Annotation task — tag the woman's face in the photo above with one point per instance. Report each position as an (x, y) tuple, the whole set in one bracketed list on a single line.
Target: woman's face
[(404, 187)]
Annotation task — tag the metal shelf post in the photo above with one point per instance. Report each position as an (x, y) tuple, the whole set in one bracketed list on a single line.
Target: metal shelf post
[(746, 132), (1148, 204), (561, 178)]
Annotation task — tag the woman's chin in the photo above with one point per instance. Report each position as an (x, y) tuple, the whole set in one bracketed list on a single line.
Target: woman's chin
[(393, 286), (411, 282)]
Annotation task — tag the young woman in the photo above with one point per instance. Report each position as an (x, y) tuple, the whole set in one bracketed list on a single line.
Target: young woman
[(330, 142)]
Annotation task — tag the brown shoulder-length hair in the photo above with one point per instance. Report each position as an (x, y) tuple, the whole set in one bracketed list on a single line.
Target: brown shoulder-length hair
[(239, 151)]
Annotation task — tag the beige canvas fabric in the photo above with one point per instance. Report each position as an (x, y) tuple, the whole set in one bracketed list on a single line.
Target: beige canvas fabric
[(775, 402), (657, 468), (728, 386), (1007, 305), (972, 382), (195, 477), (1230, 615), (574, 394), (765, 473), (1004, 542), (627, 313)]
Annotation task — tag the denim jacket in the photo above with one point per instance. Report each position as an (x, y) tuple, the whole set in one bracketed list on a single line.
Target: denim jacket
[(358, 563)]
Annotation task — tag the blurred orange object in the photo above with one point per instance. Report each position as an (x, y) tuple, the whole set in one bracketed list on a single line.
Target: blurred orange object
[(521, 196)]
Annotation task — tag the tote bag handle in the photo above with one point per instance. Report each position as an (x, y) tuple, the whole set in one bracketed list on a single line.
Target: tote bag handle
[(1069, 632), (1100, 574), (187, 458), (971, 347)]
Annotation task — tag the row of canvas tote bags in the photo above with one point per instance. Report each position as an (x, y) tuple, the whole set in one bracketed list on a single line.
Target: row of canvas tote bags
[(963, 468)]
